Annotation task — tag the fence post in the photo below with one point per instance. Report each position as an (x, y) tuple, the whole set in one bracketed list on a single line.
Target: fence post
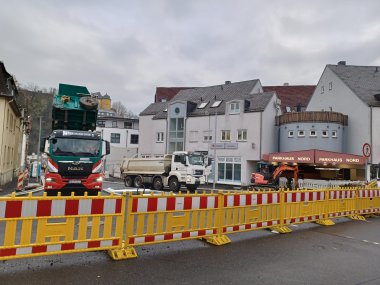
[(219, 238), (281, 228), (325, 221), (124, 251)]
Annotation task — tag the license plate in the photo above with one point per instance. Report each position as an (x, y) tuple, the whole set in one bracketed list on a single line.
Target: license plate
[(75, 181)]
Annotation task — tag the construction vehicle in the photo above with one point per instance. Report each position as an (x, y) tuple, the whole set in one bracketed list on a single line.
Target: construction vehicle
[(74, 149), (181, 168), (271, 180)]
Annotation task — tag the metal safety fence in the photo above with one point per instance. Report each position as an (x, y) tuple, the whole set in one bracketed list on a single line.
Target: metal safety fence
[(33, 226)]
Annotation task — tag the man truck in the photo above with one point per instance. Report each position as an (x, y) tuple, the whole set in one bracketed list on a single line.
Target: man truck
[(181, 168), (74, 149)]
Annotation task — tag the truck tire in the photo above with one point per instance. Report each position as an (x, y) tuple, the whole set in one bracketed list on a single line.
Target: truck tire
[(138, 182), (128, 181), (157, 183), (191, 187), (174, 184), (88, 102)]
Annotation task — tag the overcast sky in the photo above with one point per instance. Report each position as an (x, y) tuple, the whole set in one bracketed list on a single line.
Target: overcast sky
[(128, 48)]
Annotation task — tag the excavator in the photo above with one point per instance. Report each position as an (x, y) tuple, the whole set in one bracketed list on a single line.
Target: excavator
[(267, 180)]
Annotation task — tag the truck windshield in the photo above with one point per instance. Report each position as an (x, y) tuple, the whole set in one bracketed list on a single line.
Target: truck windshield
[(75, 147), (196, 159)]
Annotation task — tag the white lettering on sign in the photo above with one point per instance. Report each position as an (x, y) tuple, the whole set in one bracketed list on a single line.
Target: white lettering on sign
[(330, 159), (352, 160), (303, 158), (283, 157), (70, 133)]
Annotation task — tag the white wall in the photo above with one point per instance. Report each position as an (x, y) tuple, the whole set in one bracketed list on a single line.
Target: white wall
[(375, 135), (149, 128), (343, 100), (269, 136)]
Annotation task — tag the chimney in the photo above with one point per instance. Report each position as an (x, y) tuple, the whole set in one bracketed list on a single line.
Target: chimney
[(286, 84), (228, 82), (342, 62)]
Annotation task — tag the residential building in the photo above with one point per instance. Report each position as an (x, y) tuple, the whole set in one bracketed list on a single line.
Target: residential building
[(10, 127), (123, 135), (233, 123), (354, 91)]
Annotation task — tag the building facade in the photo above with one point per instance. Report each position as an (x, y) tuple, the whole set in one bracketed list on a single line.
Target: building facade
[(233, 123), (11, 128)]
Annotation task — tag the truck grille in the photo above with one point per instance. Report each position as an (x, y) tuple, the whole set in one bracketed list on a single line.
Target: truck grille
[(70, 170), (198, 172)]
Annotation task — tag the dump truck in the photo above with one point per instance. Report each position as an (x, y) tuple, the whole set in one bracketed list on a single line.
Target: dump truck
[(182, 168), (74, 149)]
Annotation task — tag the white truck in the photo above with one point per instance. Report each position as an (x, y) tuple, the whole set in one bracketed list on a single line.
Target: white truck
[(180, 168)]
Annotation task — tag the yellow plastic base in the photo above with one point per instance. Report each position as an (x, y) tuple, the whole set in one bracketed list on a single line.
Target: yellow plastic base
[(122, 253), (356, 217), (218, 240), (281, 229), (325, 222)]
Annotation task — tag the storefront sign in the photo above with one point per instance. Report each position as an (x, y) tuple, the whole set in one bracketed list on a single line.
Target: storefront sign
[(231, 145), (294, 156)]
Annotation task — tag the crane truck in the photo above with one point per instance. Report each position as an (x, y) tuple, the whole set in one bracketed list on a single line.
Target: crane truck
[(173, 170), (74, 149)]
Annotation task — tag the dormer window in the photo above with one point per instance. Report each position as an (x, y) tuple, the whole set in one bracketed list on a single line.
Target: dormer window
[(235, 108), (216, 104), (202, 105)]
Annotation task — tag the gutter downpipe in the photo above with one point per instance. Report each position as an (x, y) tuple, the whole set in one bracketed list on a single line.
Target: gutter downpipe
[(370, 141), (261, 132)]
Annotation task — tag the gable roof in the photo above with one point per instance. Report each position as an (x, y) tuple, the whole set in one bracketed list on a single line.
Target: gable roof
[(364, 81), (292, 95), (224, 93), (154, 108)]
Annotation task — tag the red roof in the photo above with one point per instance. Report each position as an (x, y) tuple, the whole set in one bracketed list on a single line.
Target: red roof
[(167, 93), (292, 96)]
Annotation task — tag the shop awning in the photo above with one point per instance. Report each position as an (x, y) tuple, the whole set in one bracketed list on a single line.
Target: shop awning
[(315, 156)]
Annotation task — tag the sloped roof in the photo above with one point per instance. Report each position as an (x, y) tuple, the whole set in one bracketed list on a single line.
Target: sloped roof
[(154, 108), (292, 95), (224, 93), (364, 81), (167, 93)]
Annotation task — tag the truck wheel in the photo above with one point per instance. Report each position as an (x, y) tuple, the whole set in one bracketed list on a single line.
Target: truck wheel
[(128, 181), (157, 184), (174, 184), (138, 181), (88, 102), (191, 187)]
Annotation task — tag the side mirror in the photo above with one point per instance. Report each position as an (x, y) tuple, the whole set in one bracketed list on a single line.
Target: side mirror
[(42, 145), (209, 161), (108, 147)]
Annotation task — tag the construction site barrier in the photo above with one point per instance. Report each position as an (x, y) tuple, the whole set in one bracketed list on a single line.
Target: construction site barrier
[(32, 226)]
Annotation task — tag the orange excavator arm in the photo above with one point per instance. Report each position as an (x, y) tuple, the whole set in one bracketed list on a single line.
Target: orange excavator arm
[(283, 168)]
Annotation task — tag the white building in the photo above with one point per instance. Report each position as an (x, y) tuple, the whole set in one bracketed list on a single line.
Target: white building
[(234, 122), (123, 135), (353, 91)]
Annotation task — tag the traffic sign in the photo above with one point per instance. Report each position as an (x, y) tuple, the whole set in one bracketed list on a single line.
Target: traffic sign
[(367, 150)]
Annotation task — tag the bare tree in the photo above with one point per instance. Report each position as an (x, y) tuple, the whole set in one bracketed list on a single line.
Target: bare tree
[(121, 110)]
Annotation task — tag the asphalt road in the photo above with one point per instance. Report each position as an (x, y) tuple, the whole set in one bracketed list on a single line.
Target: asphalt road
[(347, 253)]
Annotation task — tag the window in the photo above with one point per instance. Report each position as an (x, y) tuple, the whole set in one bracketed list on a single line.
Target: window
[(216, 104), (301, 133), (325, 134), (101, 124), (242, 135), (114, 124), (134, 139), (234, 108), (290, 134), (322, 89), (193, 136), (330, 86), (207, 136), (160, 137), (313, 133), (202, 105), (115, 138), (128, 125), (226, 135), (334, 134), (229, 169)]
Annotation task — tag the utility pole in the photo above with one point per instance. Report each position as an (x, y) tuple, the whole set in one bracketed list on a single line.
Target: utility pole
[(214, 168), (39, 152)]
